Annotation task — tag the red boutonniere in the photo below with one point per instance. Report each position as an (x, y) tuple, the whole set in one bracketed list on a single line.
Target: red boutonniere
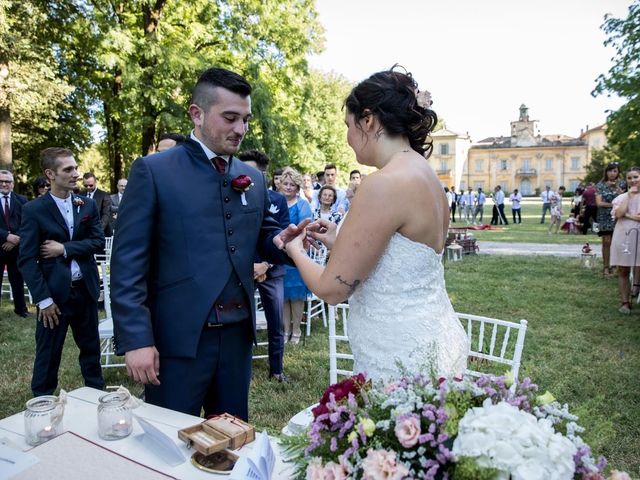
[(78, 202), (242, 184)]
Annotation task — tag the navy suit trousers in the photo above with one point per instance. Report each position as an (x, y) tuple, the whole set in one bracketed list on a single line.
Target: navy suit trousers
[(10, 259), (217, 379), (80, 312)]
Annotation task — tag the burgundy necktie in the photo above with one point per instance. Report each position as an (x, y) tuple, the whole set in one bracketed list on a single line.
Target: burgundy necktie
[(220, 164), (7, 213)]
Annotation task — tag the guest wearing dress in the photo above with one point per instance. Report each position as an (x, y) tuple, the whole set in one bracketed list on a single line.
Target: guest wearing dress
[(327, 197), (606, 190), (624, 244), (556, 209), (295, 291)]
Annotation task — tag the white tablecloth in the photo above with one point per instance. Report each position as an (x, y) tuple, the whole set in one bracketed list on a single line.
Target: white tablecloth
[(80, 417)]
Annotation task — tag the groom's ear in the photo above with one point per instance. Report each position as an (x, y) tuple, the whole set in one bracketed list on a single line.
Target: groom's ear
[(196, 113)]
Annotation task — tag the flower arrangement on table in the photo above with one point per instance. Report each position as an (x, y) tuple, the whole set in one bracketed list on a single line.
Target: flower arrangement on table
[(414, 427)]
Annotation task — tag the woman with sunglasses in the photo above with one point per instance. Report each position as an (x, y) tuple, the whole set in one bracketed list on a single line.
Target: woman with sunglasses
[(40, 186), (606, 190)]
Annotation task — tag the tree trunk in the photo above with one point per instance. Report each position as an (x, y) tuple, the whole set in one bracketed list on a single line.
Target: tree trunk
[(114, 132), (6, 159), (148, 62)]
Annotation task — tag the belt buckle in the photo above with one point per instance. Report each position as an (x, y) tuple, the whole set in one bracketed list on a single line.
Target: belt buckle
[(213, 325)]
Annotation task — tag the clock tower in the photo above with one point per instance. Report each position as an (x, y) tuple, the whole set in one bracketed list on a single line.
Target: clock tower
[(524, 131)]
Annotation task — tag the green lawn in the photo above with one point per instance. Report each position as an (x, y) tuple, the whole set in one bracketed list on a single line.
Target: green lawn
[(577, 346)]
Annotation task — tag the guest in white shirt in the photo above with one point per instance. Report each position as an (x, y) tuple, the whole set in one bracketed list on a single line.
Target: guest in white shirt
[(546, 197), (467, 201), (116, 198), (516, 198), (498, 207), (481, 199), (330, 178)]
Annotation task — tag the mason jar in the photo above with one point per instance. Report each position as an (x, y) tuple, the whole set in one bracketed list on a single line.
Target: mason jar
[(42, 419), (114, 416)]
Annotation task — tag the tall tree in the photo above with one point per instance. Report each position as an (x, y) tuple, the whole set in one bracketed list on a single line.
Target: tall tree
[(623, 79)]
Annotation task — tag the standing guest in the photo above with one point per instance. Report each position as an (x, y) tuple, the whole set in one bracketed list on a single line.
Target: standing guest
[(169, 140), (328, 196), (307, 187), (40, 186), (275, 181), (546, 201), (606, 190), (295, 291), (468, 200), (576, 202), (449, 196), (319, 180), (515, 199), (624, 243), (183, 259), (355, 178), (460, 206), (454, 203), (116, 198), (11, 205), (556, 210), (102, 199), (498, 216), (481, 199), (589, 206), (270, 278), (61, 232)]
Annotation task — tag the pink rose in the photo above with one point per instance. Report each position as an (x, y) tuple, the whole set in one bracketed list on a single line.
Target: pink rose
[(382, 465), (315, 470), (408, 430), (617, 475), (334, 471)]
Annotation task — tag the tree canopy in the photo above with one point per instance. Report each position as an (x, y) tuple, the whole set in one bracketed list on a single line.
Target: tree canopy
[(107, 77), (623, 79)]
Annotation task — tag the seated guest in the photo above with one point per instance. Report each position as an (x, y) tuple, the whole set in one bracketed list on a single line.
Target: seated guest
[(570, 225), (327, 197), (40, 186)]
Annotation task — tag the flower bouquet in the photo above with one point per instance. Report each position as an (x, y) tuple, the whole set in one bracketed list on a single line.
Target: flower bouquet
[(415, 427)]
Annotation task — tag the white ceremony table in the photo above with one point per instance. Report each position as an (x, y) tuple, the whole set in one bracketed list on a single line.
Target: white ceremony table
[(80, 417)]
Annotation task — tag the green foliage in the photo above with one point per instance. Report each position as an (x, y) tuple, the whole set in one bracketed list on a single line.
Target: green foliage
[(600, 158), (468, 469), (623, 79)]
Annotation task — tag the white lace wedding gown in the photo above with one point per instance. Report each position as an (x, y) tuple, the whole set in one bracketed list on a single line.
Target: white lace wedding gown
[(402, 312)]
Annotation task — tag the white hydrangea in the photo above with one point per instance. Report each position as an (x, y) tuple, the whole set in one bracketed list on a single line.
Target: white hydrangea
[(515, 442)]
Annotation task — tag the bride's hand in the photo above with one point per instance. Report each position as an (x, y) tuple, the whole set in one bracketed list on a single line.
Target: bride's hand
[(324, 231)]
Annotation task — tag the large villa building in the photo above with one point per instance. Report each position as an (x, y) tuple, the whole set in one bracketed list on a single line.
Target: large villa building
[(526, 160)]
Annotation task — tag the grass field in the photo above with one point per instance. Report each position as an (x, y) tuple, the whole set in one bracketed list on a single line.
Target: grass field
[(578, 347)]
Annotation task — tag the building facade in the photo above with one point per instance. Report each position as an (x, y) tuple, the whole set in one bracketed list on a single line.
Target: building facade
[(526, 160)]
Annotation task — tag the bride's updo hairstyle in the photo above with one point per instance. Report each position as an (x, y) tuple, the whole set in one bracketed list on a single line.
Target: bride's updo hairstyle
[(393, 97)]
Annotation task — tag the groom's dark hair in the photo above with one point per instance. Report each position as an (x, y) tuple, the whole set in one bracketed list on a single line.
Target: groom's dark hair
[(204, 96)]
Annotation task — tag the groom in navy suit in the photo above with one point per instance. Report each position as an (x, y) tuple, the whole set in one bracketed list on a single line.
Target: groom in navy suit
[(182, 261), (60, 232)]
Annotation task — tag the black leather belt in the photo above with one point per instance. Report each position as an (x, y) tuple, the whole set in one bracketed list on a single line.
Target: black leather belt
[(77, 283)]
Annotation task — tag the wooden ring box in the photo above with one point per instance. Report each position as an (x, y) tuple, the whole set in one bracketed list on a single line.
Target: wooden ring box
[(218, 433)]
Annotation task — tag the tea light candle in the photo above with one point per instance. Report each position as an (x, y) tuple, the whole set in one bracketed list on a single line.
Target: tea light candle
[(121, 428), (47, 433)]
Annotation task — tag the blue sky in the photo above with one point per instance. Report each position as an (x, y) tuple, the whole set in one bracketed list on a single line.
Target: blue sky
[(481, 59)]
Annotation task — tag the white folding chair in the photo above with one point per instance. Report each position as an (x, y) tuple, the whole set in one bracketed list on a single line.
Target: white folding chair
[(105, 286), (315, 306), (338, 353), (6, 288), (261, 324), (492, 342), (107, 353)]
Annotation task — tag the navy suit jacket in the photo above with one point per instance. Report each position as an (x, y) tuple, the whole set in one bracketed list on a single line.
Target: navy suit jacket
[(182, 231), (280, 211), (51, 277), (103, 200), (15, 215)]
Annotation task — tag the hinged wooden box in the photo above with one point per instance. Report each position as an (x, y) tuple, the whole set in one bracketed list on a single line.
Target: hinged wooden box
[(218, 433)]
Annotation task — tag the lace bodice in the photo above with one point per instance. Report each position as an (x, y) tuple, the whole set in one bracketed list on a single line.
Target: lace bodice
[(402, 312)]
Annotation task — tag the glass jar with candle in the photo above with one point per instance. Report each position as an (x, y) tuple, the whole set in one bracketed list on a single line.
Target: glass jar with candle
[(42, 419), (114, 416)]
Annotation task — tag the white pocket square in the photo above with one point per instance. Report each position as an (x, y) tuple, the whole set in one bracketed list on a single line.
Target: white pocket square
[(273, 209)]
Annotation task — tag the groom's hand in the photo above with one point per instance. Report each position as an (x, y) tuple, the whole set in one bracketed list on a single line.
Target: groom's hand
[(289, 233), (143, 365)]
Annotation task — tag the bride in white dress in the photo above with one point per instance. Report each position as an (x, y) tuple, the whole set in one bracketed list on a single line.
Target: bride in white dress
[(387, 256)]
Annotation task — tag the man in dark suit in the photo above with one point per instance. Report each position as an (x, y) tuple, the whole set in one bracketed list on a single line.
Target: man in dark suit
[(11, 209), (270, 278), (116, 198), (102, 199), (60, 234), (182, 262)]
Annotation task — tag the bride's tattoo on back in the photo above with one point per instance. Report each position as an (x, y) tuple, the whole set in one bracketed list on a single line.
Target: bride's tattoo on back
[(352, 286)]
